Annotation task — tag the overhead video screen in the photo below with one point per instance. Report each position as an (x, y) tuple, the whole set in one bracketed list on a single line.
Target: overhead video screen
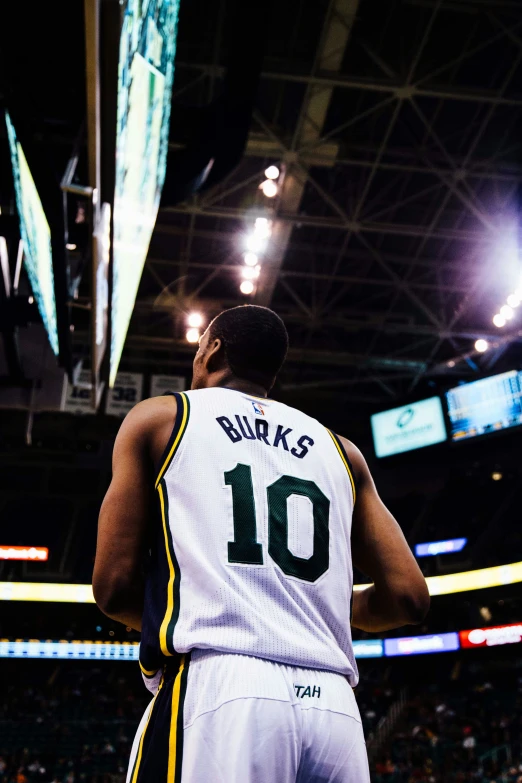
[(485, 406), (36, 237), (145, 77), (410, 427)]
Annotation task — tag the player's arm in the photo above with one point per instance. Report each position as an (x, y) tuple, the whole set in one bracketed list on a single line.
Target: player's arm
[(118, 580), (399, 594)]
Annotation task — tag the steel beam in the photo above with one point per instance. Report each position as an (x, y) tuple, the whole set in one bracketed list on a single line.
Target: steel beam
[(349, 322), (336, 32), (362, 279), (330, 80), (365, 227)]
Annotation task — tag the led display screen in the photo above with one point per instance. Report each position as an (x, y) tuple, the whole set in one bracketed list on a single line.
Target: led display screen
[(491, 637), (417, 645), (145, 77), (410, 427), (36, 237), (440, 547), (485, 406), (461, 582), (35, 648), (24, 553), (369, 648)]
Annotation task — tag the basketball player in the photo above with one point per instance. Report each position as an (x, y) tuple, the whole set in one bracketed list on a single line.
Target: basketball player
[(238, 572)]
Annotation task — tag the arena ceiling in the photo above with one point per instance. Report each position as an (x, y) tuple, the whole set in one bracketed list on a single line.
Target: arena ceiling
[(399, 128), (397, 124)]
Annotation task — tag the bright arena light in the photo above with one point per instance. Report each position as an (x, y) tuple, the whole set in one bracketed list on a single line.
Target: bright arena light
[(255, 243), (246, 287), (250, 259), (513, 300), (481, 345), (499, 320), (192, 335), (269, 188), (248, 272), (507, 312), (272, 172), (262, 227), (496, 475), (195, 319)]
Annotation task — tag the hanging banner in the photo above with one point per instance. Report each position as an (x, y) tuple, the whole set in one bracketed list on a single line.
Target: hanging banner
[(78, 398), (162, 384), (126, 392)]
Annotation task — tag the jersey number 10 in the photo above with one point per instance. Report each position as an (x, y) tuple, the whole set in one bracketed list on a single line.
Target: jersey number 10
[(246, 549)]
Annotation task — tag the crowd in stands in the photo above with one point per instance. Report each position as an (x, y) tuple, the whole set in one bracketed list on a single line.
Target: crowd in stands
[(460, 720), (69, 723), (464, 730)]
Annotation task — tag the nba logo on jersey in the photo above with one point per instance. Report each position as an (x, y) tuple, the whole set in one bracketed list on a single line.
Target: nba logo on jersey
[(257, 408)]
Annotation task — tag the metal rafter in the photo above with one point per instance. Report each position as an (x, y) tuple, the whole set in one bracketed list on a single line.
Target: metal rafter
[(336, 32)]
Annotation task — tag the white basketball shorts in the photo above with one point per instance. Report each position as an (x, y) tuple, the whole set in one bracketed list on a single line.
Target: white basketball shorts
[(222, 718)]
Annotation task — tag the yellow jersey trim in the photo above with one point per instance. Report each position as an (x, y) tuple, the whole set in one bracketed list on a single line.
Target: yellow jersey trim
[(173, 734), (352, 482), (176, 437), (170, 587), (147, 673), (140, 748)]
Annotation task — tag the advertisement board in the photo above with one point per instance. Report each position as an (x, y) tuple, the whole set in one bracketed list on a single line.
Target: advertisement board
[(491, 637), (417, 645), (75, 650), (413, 426), (368, 648)]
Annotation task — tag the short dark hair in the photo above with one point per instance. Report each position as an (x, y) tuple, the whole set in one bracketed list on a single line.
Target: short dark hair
[(255, 342)]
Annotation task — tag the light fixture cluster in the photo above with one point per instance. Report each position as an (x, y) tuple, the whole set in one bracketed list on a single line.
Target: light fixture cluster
[(269, 186), (255, 245), (507, 311), (194, 322)]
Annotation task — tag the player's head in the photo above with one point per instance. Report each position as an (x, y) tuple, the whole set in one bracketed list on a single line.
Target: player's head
[(246, 342)]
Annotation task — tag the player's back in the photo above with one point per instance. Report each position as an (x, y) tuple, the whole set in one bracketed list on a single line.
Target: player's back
[(252, 551)]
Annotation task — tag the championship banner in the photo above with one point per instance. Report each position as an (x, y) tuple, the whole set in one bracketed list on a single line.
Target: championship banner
[(162, 384), (491, 637), (127, 391), (78, 398)]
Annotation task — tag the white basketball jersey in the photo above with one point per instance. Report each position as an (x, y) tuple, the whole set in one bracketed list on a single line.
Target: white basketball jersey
[(252, 553)]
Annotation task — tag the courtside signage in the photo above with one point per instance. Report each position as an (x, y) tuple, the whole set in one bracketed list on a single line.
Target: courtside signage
[(24, 553), (416, 645), (369, 648), (491, 637), (409, 427), (62, 650)]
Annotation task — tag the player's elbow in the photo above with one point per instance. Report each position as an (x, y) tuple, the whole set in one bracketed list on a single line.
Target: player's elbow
[(111, 594), (414, 601)]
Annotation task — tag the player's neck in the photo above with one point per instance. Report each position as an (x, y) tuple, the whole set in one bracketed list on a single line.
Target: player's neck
[(229, 381)]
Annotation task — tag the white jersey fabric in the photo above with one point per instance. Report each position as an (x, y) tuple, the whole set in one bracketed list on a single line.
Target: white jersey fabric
[(256, 500), (248, 720)]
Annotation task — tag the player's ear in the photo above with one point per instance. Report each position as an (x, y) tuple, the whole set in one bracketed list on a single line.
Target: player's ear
[(215, 356)]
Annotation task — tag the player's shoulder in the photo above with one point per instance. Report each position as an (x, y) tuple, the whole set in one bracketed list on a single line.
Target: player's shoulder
[(148, 414)]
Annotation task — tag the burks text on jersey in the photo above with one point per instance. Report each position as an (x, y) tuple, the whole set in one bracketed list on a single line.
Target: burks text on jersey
[(278, 436)]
